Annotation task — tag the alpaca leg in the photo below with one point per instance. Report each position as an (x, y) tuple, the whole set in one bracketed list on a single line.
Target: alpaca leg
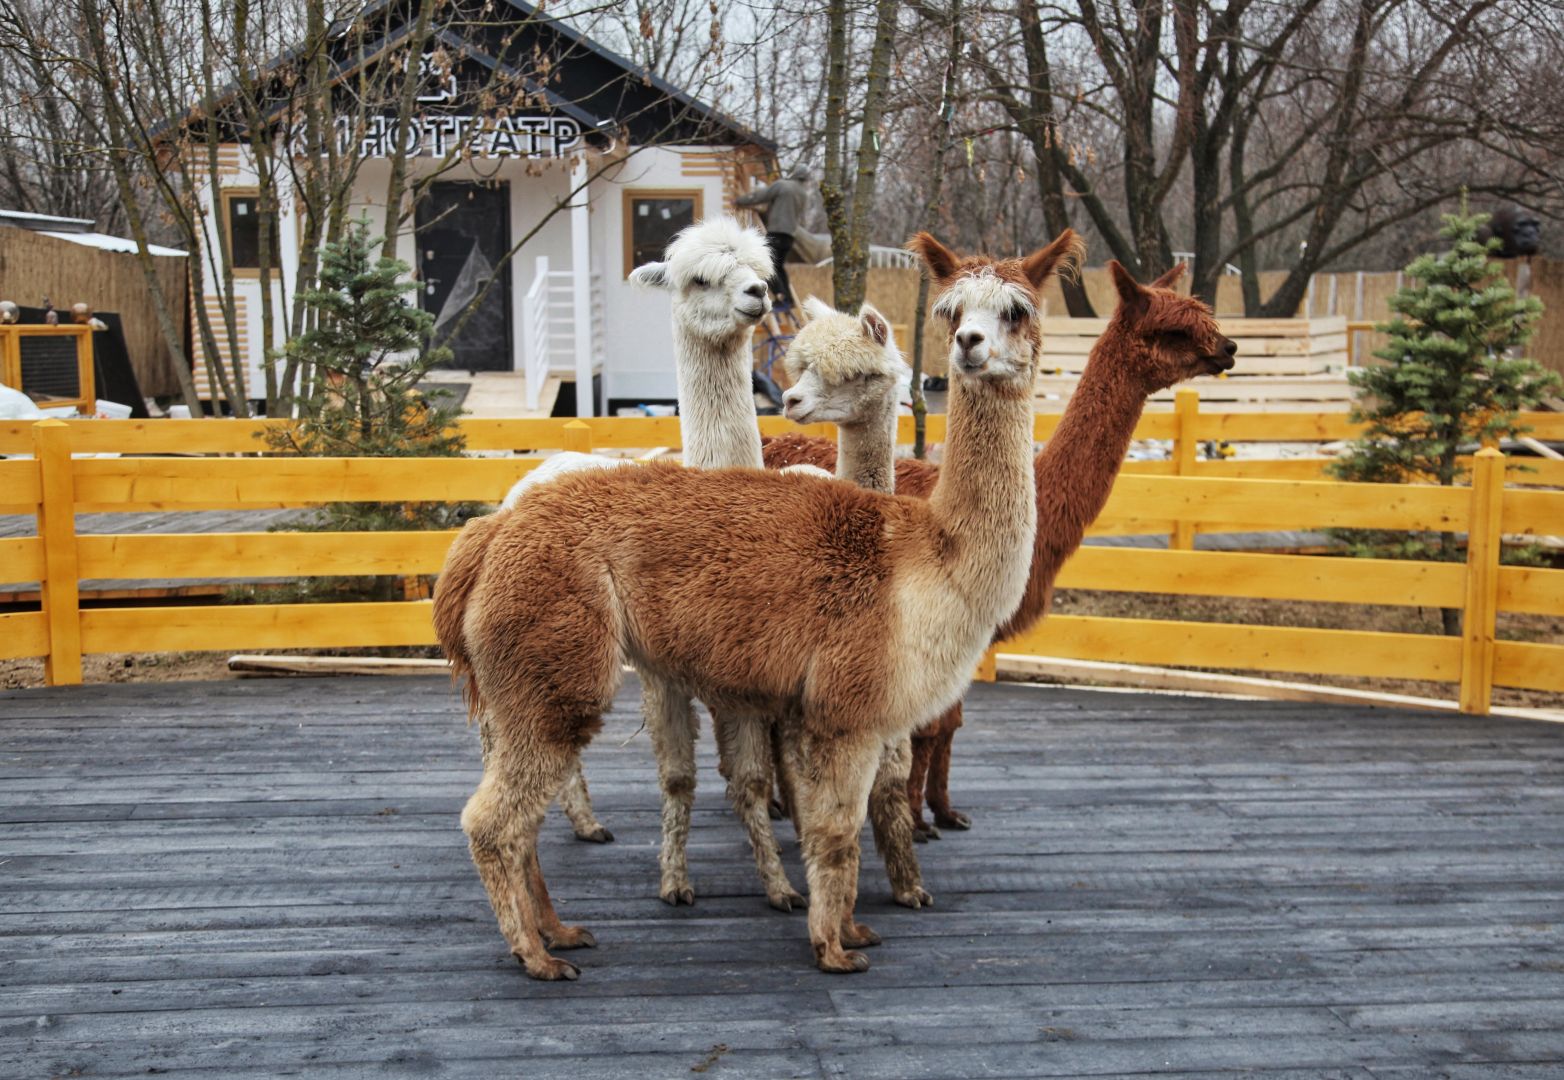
[(792, 769), (744, 747), (553, 931), (576, 801), (922, 752), (671, 722), (784, 804), (893, 825), (836, 795), (938, 791), (502, 820)]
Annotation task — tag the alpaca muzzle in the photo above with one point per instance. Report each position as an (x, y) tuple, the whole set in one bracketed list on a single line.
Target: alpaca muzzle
[(1224, 360)]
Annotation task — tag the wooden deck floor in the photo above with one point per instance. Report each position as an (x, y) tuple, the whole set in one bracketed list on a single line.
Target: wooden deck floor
[(257, 879)]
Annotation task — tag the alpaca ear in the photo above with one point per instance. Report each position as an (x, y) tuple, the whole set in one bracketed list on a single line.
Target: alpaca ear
[(652, 275), (874, 326), (1170, 279), (1062, 256), (1132, 297), (940, 260), (818, 308)]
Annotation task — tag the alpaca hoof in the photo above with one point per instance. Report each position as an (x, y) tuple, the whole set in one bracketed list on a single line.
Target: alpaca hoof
[(572, 937), (550, 969), (955, 819), (915, 898), (775, 811), (922, 834), (674, 895), (598, 835), (843, 963), (787, 901), (859, 936)]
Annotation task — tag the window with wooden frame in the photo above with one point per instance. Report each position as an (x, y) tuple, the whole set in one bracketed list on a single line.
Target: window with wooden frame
[(652, 217), (241, 221)]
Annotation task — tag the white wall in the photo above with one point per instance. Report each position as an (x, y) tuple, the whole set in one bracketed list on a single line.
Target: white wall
[(638, 345), (638, 339)]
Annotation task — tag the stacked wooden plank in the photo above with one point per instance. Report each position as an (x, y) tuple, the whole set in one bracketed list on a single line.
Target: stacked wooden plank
[(1282, 363)]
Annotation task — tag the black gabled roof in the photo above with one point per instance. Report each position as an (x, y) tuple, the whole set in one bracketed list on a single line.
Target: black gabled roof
[(602, 91), (634, 84)]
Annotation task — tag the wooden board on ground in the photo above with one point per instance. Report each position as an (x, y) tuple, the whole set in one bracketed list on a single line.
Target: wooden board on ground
[(260, 877)]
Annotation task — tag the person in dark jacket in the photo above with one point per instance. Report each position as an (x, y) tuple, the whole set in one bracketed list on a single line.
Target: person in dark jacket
[(785, 203)]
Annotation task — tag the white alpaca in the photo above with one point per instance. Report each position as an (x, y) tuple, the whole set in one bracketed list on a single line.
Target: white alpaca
[(717, 272)]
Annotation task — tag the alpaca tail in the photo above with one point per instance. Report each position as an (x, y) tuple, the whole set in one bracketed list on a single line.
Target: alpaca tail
[(451, 594)]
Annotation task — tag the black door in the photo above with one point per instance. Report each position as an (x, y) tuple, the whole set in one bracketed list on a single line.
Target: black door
[(463, 233)]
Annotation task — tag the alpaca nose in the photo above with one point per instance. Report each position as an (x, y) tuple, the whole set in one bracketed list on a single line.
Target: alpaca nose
[(969, 339), (1230, 347), (757, 290)]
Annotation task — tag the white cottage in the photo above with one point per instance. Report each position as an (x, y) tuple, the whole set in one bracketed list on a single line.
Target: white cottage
[(562, 307)]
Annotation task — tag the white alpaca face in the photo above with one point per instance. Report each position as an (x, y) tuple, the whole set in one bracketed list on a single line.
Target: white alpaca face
[(844, 370), (991, 323), (717, 272)]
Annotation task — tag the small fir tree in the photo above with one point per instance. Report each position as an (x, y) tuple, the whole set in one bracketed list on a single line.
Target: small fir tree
[(1452, 381), (366, 355)]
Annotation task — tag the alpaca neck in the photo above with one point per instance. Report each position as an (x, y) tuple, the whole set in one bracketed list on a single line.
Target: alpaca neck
[(865, 451), (985, 496), (1076, 470), (716, 402)]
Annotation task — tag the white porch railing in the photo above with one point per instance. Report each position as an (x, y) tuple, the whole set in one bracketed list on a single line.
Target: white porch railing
[(537, 346), (549, 325)]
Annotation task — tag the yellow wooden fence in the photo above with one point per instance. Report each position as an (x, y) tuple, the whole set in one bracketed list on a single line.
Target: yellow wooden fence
[(1176, 496)]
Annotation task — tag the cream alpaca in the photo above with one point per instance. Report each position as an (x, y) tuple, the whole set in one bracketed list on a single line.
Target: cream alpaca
[(847, 371), (889, 604)]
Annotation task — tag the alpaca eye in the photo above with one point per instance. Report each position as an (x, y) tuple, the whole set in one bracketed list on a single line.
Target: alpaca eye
[(701, 283), (1016, 314)]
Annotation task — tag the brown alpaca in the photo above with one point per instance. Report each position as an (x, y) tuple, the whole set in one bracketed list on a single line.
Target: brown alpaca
[(887, 606), (1109, 407)]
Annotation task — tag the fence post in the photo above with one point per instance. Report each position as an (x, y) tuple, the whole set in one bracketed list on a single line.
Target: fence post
[(1186, 413), (57, 530), (1480, 611), (10, 357), (578, 437)]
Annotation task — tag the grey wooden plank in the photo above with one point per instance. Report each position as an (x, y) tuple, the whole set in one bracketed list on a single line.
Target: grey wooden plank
[(200, 878)]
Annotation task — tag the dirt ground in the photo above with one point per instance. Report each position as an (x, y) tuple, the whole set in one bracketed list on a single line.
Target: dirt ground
[(196, 666)]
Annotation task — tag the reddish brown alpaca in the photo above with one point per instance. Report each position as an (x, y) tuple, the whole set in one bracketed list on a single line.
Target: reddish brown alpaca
[(1145, 314)]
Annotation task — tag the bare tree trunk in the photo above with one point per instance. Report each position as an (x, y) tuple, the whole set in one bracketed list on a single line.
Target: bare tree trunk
[(849, 225), (920, 407), (119, 166), (407, 101), (851, 278)]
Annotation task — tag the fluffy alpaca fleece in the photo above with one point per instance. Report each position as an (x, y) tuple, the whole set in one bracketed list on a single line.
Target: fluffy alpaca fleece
[(1136, 355), (889, 602)]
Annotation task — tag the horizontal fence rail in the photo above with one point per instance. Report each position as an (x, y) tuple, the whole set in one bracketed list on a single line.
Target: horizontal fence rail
[(57, 483)]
